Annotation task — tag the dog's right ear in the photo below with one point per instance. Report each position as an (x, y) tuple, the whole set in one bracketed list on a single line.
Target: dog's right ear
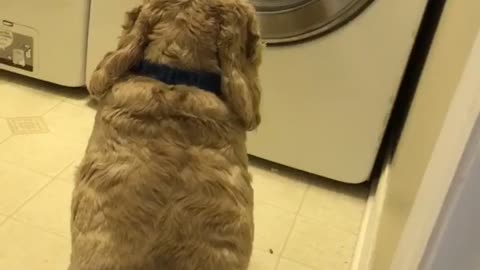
[(129, 52), (240, 54)]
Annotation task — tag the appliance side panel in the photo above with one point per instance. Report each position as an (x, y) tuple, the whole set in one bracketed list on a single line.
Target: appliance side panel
[(105, 28)]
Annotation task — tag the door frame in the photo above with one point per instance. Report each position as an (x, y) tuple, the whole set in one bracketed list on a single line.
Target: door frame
[(459, 121), (436, 181)]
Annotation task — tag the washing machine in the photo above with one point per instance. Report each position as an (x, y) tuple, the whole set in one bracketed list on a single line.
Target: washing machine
[(331, 73), (45, 39)]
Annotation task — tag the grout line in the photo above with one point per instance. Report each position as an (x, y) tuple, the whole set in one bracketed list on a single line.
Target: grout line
[(74, 104), (265, 202), (8, 128), (319, 220), (7, 138), (43, 229), (280, 254), (52, 108), (29, 199), (57, 176), (304, 196), (297, 262), (41, 189), (291, 231), (31, 170), (3, 221)]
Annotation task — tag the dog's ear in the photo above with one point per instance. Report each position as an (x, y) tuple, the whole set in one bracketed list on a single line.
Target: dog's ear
[(129, 52), (130, 19), (240, 50)]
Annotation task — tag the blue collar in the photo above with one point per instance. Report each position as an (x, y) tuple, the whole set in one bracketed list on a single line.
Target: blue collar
[(208, 81)]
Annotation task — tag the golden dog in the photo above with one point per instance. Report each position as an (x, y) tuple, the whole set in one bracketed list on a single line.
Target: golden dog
[(164, 184)]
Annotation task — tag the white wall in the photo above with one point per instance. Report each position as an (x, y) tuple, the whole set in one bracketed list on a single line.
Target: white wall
[(455, 243)]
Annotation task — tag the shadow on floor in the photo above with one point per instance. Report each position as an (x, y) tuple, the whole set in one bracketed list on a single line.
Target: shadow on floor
[(72, 93), (351, 190)]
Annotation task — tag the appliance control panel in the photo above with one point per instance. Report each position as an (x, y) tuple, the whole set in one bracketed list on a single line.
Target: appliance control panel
[(17, 45)]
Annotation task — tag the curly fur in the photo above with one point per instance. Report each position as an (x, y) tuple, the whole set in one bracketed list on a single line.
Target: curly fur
[(164, 183)]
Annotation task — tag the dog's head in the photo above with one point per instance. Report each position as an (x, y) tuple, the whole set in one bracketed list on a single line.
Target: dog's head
[(237, 47)]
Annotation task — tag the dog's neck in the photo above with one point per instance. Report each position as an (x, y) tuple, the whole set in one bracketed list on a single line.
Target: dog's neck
[(193, 57), (207, 81), (196, 66)]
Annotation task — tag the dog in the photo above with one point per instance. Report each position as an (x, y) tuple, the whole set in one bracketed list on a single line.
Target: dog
[(164, 183)]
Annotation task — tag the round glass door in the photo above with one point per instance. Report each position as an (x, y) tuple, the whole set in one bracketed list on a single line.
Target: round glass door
[(285, 21)]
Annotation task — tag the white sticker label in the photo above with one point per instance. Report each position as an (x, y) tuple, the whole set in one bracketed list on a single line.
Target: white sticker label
[(19, 57), (6, 39)]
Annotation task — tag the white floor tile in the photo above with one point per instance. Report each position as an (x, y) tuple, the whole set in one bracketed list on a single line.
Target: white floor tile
[(285, 264), (336, 203), (262, 260), (45, 153), (25, 100), (4, 130), (278, 190), (70, 121), (69, 130), (17, 185), (23, 247), (320, 245), (73, 124), (68, 174), (50, 209), (272, 226)]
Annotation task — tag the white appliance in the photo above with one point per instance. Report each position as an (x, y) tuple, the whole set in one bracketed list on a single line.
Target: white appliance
[(45, 39), (330, 77)]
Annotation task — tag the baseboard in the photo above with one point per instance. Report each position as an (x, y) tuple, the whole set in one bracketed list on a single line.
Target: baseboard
[(365, 245)]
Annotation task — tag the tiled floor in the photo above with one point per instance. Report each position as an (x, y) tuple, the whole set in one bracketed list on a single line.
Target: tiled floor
[(302, 222)]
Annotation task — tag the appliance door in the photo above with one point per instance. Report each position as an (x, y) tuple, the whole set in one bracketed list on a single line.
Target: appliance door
[(293, 20), (326, 100)]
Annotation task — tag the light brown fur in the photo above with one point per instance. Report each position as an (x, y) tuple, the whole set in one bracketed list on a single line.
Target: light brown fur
[(164, 184)]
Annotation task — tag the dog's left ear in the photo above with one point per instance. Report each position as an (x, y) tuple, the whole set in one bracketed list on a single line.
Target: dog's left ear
[(129, 52), (240, 50)]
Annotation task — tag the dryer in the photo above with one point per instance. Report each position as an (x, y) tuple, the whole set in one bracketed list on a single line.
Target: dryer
[(330, 76), (45, 39)]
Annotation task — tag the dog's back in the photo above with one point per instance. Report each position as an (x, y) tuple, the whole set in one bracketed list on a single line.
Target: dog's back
[(160, 190)]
